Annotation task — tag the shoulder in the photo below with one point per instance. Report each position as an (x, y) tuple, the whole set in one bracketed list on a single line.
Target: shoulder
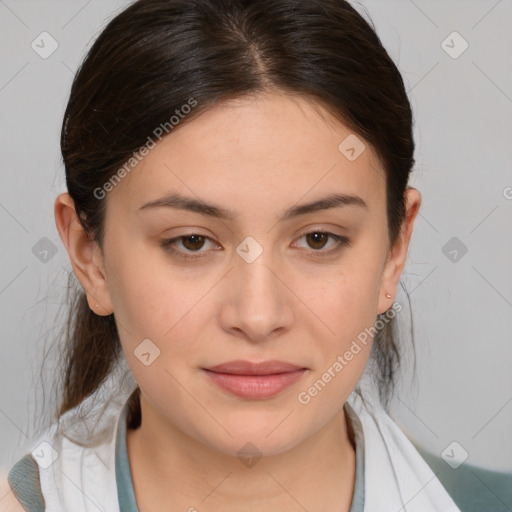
[(394, 470), (21, 488), (473, 488), (71, 459)]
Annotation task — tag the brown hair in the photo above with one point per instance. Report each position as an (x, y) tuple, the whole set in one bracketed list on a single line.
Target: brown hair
[(157, 54)]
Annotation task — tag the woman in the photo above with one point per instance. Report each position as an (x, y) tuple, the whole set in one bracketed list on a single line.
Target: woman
[(238, 216)]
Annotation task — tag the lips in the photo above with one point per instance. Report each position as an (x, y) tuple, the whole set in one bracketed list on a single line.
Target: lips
[(240, 367), (254, 380)]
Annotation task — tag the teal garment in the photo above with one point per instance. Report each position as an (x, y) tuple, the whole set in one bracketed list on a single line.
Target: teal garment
[(126, 494), (25, 484), (473, 489), (125, 491), (358, 497)]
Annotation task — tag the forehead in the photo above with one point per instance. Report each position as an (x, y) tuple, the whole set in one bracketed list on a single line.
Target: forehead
[(257, 150)]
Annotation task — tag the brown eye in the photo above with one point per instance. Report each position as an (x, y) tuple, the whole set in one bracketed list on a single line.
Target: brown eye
[(193, 242), (317, 239), (186, 245)]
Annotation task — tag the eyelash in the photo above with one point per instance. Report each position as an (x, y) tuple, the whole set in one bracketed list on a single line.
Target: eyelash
[(342, 241)]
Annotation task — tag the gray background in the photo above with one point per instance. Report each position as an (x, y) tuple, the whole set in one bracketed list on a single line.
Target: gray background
[(462, 309)]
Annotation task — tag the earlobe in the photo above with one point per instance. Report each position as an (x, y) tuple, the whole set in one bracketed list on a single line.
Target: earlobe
[(85, 255), (398, 253)]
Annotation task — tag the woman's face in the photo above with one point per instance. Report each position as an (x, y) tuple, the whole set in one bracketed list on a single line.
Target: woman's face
[(257, 284)]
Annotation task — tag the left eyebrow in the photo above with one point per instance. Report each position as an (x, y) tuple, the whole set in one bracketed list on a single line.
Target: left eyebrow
[(326, 203), (216, 211)]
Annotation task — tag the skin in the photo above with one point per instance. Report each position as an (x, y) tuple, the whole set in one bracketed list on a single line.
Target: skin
[(257, 157)]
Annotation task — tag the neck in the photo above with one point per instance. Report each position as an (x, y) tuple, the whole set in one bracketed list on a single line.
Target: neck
[(168, 466)]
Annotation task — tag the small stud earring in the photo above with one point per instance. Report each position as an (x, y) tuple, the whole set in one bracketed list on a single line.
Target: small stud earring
[(388, 295)]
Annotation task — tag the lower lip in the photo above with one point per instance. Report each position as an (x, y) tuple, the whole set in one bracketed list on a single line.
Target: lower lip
[(255, 386)]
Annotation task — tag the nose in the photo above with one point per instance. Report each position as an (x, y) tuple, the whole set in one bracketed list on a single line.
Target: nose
[(258, 303)]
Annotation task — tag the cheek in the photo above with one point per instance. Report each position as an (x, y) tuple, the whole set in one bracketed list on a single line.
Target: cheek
[(159, 323), (151, 301), (346, 301), (348, 306)]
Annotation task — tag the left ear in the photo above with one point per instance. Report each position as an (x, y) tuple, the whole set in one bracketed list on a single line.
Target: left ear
[(398, 253)]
